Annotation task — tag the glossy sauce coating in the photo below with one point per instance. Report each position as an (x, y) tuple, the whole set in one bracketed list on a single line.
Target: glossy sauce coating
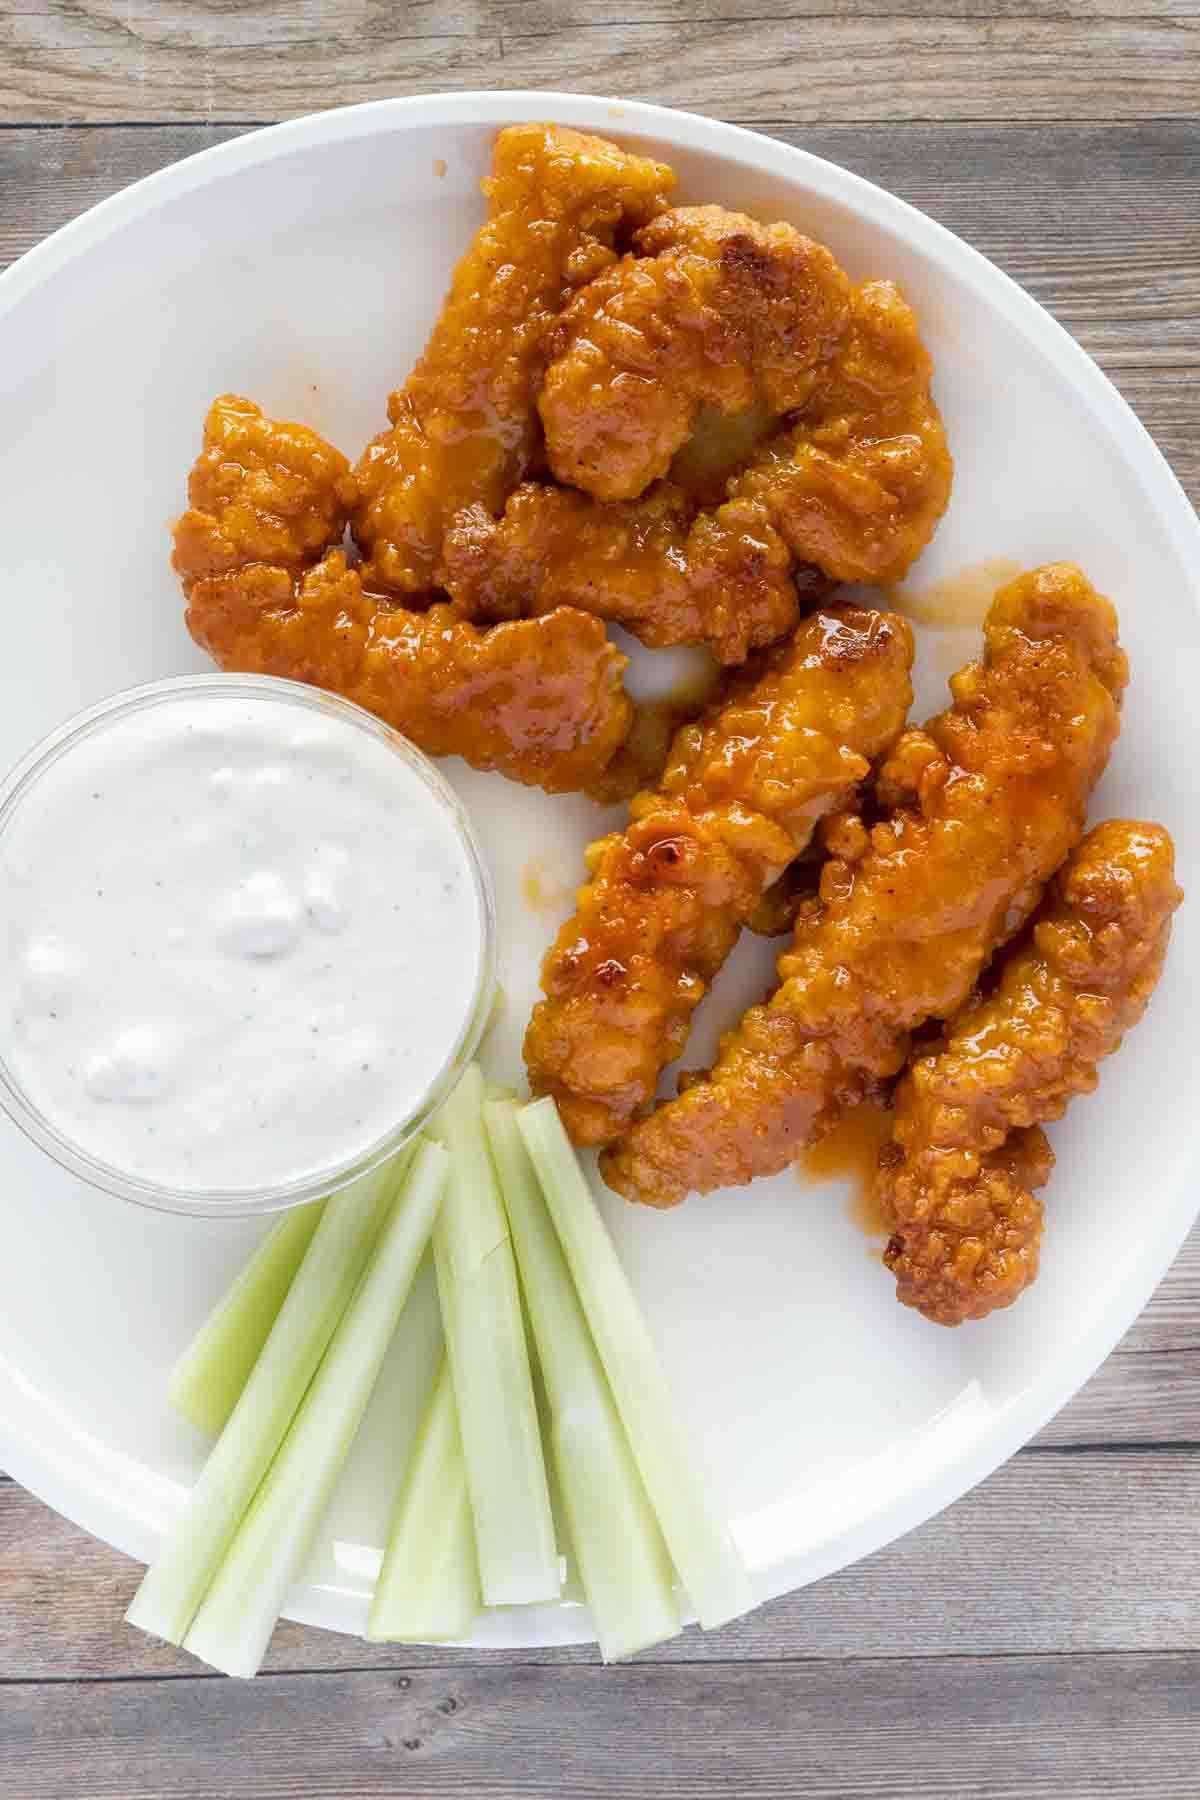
[(541, 700), (986, 802), (742, 794), (858, 483), (464, 427), (850, 488), (713, 308), (964, 1219), (667, 570), (261, 490)]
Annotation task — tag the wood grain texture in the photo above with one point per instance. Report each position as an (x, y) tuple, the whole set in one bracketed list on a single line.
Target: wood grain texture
[(818, 60), (1016, 1728), (1098, 223), (1172, 1319), (1148, 1397), (1040, 1640), (1059, 1551)]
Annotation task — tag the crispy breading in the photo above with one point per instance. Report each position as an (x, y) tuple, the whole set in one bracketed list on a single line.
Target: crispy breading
[(665, 570), (712, 309), (966, 1226), (464, 427), (742, 793), (853, 487), (261, 490), (541, 700), (987, 800), (858, 483)]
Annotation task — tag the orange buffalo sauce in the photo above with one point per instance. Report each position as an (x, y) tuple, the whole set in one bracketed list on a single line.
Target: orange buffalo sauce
[(850, 1153), (959, 602)]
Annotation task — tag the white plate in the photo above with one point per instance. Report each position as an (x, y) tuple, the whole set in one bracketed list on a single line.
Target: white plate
[(302, 266)]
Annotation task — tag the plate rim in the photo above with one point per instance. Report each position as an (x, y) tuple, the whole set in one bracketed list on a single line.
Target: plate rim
[(108, 1507)]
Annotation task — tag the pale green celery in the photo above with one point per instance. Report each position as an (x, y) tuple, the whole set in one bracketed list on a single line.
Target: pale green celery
[(210, 1374), (626, 1571), (571, 1587), (176, 1582), (489, 1361), (428, 1588), (233, 1627), (695, 1528)]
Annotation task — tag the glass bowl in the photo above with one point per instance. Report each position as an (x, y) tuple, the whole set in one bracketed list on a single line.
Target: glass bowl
[(19, 790)]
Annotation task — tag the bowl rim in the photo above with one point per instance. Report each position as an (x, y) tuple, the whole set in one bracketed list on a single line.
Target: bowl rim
[(954, 1456)]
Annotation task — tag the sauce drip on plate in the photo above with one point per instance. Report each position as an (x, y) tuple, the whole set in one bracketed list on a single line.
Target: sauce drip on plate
[(850, 1154)]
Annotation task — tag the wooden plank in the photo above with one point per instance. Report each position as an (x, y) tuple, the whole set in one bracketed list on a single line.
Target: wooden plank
[(822, 70), (48, 177), (105, 60), (1005, 1729), (1171, 1321), (1099, 224), (1150, 1397), (546, 17), (1037, 198), (1057, 1552)]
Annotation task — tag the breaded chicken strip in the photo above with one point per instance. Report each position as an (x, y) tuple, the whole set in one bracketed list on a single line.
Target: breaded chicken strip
[(464, 427), (713, 309), (742, 794), (988, 800), (667, 572), (965, 1223), (857, 485), (541, 700), (853, 487), (261, 490)]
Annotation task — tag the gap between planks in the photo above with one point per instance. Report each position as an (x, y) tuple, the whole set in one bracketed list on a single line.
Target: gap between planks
[(994, 1728)]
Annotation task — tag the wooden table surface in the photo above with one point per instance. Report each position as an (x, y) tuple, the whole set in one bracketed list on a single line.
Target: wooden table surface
[(1042, 1637)]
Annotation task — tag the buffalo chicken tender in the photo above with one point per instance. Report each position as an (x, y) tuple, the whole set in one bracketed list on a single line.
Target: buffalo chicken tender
[(742, 793), (987, 802), (858, 482), (713, 310), (665, 570), (261, 490), (542, 700), (464, 427), (850, 488), (966, 1225)]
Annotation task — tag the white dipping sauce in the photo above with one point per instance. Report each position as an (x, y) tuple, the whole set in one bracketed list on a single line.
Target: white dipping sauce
[(240, 938)]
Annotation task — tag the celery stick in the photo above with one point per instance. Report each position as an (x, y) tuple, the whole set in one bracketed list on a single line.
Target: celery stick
[(626, 1571), (210, 1374), (428, 1588), (570, 1586), (233, 1627), (695, 1529), (489, 1362), (174, 1585)]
